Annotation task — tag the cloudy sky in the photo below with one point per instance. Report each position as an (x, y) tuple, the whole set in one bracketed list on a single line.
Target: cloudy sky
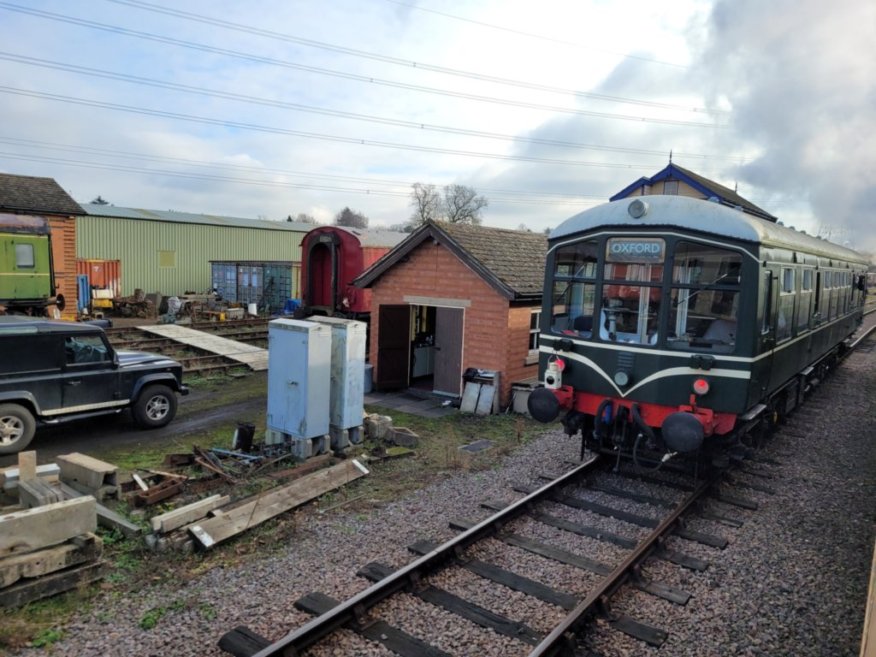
[(274, 107)]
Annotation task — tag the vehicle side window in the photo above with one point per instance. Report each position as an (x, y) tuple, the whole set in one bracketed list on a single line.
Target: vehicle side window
[(24, 257), (85, 349), (30, 353)]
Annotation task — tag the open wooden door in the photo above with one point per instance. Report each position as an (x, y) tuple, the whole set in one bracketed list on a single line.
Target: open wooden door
[(393, 347), (448, 351)]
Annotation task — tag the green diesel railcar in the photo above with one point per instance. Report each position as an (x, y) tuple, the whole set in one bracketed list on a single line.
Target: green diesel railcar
[(26, 278)]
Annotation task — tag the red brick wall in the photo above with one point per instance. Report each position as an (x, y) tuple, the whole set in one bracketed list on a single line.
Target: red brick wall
[(64, 257), (495, 336)]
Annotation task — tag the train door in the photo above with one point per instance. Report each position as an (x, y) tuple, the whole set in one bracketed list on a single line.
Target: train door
[(393, 346), (448, 347), (322, 272)]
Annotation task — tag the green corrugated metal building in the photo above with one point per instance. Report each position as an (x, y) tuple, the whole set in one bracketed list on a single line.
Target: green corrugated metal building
[(170, 252)]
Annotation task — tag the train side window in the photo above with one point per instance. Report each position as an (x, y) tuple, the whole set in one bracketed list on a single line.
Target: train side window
[(804, 306), (767, 310), (24, 258)]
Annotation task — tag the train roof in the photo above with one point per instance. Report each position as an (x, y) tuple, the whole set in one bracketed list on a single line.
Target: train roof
[(368, 237), (701, 216)]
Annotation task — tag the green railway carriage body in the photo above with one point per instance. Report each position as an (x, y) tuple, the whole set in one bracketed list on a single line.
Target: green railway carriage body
[(26, 281), (639, 308)]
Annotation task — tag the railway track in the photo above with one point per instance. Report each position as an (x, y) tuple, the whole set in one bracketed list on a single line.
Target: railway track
[(637, 519), (590, 511)]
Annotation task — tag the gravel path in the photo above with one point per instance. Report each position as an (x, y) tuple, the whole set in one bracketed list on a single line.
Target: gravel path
[(792, 582)]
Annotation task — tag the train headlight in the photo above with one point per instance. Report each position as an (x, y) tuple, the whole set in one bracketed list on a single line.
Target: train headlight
[(638, 209), (621, 378), (701, 387)]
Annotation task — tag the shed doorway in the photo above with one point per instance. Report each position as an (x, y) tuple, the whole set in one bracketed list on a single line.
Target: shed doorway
[(420, 347)]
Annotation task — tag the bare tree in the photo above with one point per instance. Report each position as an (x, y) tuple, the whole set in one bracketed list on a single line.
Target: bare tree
[(351, 219), (427, 204), (303, 218), (462, 205)]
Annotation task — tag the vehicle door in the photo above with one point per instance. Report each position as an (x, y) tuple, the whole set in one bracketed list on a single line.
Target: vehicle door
[(90, 378), (31, 364)]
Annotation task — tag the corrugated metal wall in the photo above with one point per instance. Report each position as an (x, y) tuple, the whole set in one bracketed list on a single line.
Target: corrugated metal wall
[(145, 248)]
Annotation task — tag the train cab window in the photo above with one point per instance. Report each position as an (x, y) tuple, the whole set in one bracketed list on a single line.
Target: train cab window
[(572, 308), (24, 258), (574, 289), (631, 294), (704, 298), (576, 261)]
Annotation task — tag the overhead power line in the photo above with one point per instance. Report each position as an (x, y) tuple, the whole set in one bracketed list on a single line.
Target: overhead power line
[(256, 182), (540, 37), (298, 107), (92, 150), (308, 135), (387, 59), (113, 29)]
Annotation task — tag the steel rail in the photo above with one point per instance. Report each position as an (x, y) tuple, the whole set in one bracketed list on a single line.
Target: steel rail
[(351, 610), (559, 639)]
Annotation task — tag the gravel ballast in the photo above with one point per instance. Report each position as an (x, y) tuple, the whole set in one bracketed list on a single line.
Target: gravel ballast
[(793, 580)]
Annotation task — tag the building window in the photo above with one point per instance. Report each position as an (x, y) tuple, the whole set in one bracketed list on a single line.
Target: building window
[(534, 323), (24, 256), (167, 259), (670, 187)]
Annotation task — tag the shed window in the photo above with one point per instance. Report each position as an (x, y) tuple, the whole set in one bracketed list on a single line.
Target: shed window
[(167, 258), (24, 256), (534, 322), (670, 187)]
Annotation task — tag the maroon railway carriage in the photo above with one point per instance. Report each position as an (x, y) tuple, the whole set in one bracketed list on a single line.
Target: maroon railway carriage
[(332, 256)]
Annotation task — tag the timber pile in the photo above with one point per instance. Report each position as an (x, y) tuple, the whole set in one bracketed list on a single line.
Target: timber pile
[(47, 543), (208, 522)]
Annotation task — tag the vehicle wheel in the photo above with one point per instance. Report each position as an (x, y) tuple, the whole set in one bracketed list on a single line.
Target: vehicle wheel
[(155, 407), (17, 427)]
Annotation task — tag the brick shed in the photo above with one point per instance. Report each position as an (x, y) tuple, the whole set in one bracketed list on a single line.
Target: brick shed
[(452, 297)]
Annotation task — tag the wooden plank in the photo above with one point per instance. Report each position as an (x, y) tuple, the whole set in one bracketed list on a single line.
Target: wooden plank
[(52, 584), (262, 507), (396, 640), (167, 522), (254, 357), (44, 526), (461, 607), (49, 560), (27, 466)]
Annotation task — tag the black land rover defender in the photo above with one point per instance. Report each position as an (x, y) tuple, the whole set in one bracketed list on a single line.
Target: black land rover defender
[(52, 372)]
